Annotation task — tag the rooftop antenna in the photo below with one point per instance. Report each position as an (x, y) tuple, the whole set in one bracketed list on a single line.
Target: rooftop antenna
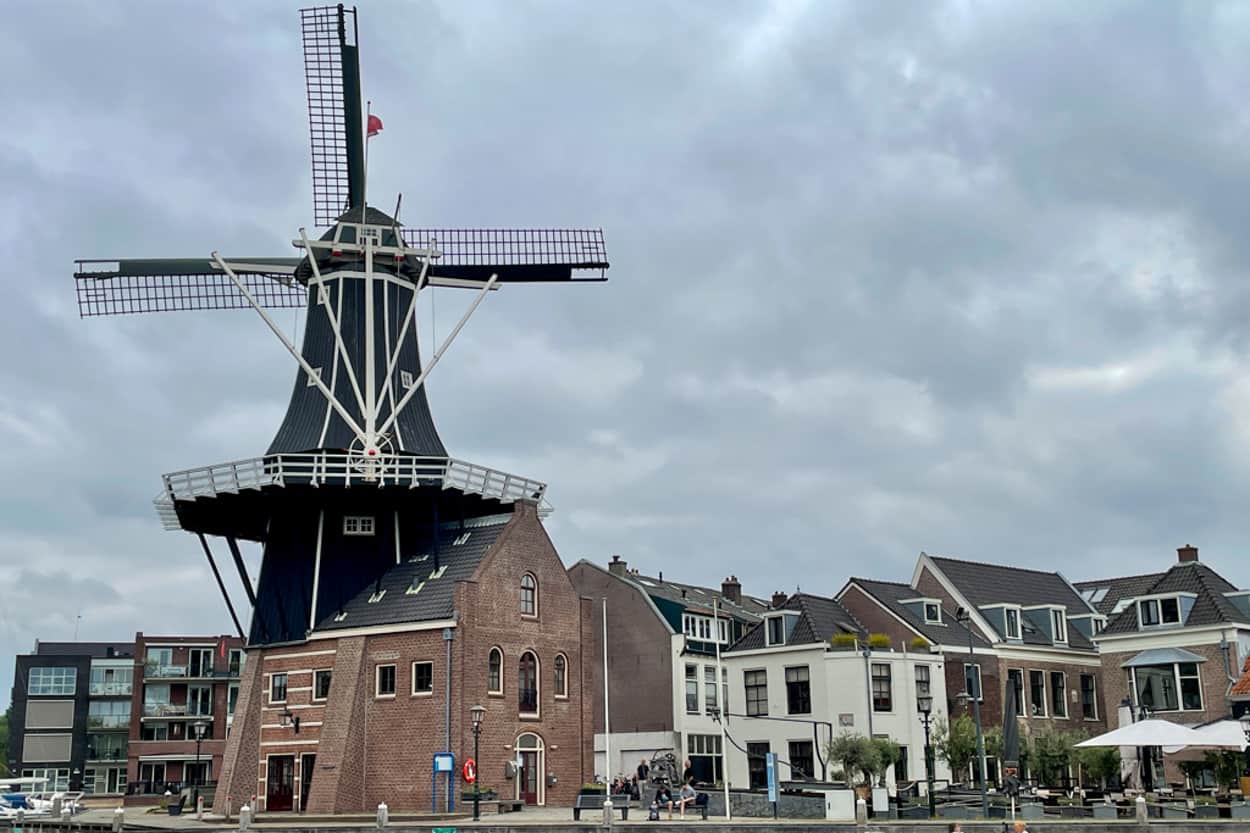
[(77, 621)]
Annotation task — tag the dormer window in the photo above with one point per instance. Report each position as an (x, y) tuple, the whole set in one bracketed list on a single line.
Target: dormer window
[(776, 633), (932, 613), (1012, 616), (1155, 613), (1059, 625)]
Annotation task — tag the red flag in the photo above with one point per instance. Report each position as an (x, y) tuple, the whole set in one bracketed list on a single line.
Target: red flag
[(375, 126)]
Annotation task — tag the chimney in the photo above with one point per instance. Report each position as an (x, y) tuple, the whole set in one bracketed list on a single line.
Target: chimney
[(731, 589), (618, 566), (1186, 554), (779, 599)]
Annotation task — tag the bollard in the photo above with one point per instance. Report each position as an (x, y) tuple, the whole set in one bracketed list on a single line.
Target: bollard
[(607, 812), (245, 817), (383, 812), (1140, 805), (861, 812), (119, 820), (199, 808), (226, 809), (56, 806)]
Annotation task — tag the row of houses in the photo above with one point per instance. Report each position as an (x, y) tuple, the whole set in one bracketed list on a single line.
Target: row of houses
[(354, 713), (1083, 657)]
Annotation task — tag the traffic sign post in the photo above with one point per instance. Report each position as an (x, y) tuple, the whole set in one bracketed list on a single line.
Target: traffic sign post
[(770, 766), (444, 762)]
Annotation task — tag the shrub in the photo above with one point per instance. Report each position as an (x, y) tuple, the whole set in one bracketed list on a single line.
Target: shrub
[(919, 643), (880, 641), (844, 641)]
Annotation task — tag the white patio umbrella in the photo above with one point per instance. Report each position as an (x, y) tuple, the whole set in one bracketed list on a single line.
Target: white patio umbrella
[(1222, 734), (1154, 732)]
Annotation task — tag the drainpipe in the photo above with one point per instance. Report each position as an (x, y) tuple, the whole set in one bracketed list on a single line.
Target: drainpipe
[(449, 634)]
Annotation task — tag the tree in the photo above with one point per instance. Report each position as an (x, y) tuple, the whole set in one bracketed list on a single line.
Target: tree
[(887, 753), (856, 753), (955, 741), (1051, 754), (1226, 766), (1100, 762)]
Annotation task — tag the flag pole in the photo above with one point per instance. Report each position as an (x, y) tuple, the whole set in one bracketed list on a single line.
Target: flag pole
[(607, 728), (723, 699), (364, 180)]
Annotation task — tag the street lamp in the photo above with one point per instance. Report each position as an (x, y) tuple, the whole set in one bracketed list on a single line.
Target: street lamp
[(925, 703), (476, 714), (287, 720), (200, 727), (964, 617)]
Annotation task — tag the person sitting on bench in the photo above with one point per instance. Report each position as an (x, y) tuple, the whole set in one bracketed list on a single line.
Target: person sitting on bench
[(685, 799)]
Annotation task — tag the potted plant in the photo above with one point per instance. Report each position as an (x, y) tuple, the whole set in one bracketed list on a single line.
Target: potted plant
[(843, 641), (919, 643), (593, 788), (879, 641)]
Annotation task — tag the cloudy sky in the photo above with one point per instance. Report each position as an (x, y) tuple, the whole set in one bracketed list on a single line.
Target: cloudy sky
[(967, 278)]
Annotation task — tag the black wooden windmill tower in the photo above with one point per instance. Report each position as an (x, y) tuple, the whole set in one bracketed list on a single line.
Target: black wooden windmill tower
[(358, 444)]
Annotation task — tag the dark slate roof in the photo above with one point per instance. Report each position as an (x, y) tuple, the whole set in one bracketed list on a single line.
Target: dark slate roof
[(696, 598), (819, 619), (436, 598), (987, 584), (1115, 589), (890, 595), (1211, 607)]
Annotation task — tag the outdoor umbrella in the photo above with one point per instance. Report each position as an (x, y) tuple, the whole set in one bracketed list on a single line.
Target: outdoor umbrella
[(1011, 742), (1222, 734), (1154, 732)]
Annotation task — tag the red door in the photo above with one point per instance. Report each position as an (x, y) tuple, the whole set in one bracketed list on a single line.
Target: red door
[(529, 777), (280, 784)]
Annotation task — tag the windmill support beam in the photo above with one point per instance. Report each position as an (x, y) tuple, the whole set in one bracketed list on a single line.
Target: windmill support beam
[(286, 342), (416, 385), (334, 315), (221, 584), (242, 568)]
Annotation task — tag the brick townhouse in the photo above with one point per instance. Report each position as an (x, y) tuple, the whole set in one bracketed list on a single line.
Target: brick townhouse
[(1173, 646), (483, 613)]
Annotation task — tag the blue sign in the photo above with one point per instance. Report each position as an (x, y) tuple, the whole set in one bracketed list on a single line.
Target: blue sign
[(444, 762), (770, 765)]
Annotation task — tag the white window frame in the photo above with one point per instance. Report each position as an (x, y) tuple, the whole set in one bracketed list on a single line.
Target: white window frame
[(57, 678), (979, 682), (317, 672), (1028, 690), (768, 630), (285, 683), (1063, 700), (312, 380), (1059, 623), (1094, 699), (377, 681), (497, 692), (1019, 612), (558, 692), (406, 379), (937, 620), (533, 614), (358, 525), (422, 692)]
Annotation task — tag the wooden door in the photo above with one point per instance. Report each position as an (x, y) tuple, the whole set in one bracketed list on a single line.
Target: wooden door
[(529, 776), (280, 784)]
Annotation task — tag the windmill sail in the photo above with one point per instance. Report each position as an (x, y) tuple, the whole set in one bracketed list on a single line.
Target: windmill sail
[(332, 78)]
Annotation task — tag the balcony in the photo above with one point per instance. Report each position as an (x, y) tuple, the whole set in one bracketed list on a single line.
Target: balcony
[(154, 671), (174, 710), (108, 721), (105, 755), (111, 689)]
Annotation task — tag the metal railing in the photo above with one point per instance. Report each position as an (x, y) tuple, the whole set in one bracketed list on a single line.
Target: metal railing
[(172, 710), (345, 470)]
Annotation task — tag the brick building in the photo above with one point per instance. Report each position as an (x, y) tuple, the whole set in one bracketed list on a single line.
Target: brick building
[(1174, 644), (484, 613), (184, 684), (662, 641)]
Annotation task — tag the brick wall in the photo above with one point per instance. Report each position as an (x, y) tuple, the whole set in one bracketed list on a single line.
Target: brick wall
[(640, 662), (237, 778), (876, 618), (372, 749), (1074, 719), (1214, 684)]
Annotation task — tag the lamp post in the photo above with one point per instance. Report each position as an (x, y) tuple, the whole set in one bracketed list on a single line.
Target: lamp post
[(476, 714), (964, 617), (925, 703), (200, 727)]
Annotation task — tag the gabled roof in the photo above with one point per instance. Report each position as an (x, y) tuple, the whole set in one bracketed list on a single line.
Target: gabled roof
[(891, 594), (819, 619), (436, 598), (1211, 606), (1104, 594), (990, 584), (699, 599)]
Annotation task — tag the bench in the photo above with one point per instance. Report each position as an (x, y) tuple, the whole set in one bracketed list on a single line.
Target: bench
[(502, 805), (595, 802)]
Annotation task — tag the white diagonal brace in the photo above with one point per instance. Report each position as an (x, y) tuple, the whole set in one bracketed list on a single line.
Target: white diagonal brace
[(286, 342), (438, 354), (324, 298), (403, 331)]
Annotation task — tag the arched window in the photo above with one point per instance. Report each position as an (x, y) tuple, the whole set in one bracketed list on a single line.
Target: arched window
[(527, 683), (529, 595), (494, 672), (561, 676)]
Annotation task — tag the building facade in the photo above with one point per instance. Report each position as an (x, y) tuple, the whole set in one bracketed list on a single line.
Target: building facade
[(1174, 646), (184, 687), (793, 687), (662, 641), (386, 681), (71, 715)]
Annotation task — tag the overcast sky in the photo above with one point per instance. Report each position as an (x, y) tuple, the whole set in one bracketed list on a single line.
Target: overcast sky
[(886, 277)]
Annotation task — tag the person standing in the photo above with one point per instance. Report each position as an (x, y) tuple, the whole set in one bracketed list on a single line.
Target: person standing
[(643, 772), (687, 774)]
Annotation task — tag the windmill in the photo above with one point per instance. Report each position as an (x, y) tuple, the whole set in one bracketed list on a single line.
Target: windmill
[(358, 444)]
